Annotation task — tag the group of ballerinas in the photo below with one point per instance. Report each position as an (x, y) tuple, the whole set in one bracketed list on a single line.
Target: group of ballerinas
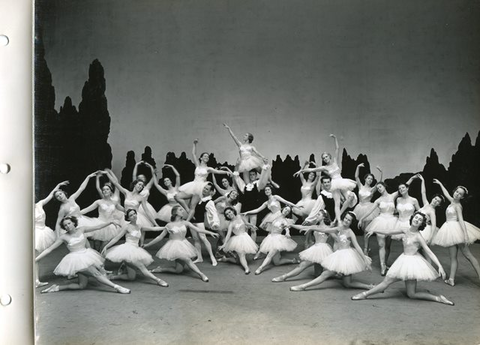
[(233, 216)]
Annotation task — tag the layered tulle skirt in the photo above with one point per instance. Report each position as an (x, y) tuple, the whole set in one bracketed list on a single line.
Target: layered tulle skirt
[(316, 253), (401, 225), (451, 233), (193, 187), (106, 233), (277, 242), (177, 249), (44, 238), (242, 244), (412, 267), (250, 163), (129, 252), (165, 213), (364, 208), (345, 261), (384, 222), (269, 218), (78, 261), (340, 183), (307, 206), (427, 233)]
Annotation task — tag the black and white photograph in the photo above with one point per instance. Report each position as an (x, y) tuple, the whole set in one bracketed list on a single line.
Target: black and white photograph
[(256, 172)]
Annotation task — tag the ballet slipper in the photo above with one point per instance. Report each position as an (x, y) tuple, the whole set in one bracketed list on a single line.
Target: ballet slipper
[(362, 295), (214, 262), (205, 279), (162, 283), (258, 271), (53, 288), (298, 288), (282, 278), (38, 283), (247, 271), (444, 300), (450, 281), (383, 270), (121, 289)]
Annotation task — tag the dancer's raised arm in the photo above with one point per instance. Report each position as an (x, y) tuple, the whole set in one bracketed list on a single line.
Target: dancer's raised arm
[(235, 139), (336, 157), (50, 195), (444, 190), (111, 176), (82, 186)]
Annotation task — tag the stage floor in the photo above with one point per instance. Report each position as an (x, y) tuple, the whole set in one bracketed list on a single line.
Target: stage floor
[(235, 308)]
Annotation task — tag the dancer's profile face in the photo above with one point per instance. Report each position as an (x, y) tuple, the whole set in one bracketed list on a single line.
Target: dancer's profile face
[(205, 158), (233, 195), (268, 191), (252, 175), (327, 184), (245, 138), (229, 214), (402, 189), (132, 215), (106, 191), (139, 186), (436, 201), (347, 221), (68, 225), (459, 194), (60, 196), (286, 211), (206, 190), (167, 182), (417, 220), (225, 183), (326, 158), (311, 176), (381, 188), (369, 180)]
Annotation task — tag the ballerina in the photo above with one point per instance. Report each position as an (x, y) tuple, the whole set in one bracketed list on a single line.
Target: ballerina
[(146, 190), (315, 253), (345, 260), (169, 192), (119, 213), (385, 222), (177, 248), (44, 236), (130, 252), (411, 266), (340, 185), (456, 233), (83, 261), (206, 216), (241, 243), (250, 158), (308, 186), (273, 204), (69, 207), (133, 200), (227, 187), (275, 242), (195, 187), (365, 194), (405, 206), (428, 210), (221, 203), (250, 198), (106, 212)]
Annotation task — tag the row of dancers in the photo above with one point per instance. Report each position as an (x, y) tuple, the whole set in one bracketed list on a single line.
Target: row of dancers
[(219, 216)]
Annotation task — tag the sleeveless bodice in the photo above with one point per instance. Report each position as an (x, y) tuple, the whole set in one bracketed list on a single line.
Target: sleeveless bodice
[(410, 244), (106, 210), (320, 237), (343, 241), (245, 151), (73, 210), (333, 171), (178, 232), (133, 236), (405, 211), (307, 191), (171, 197), (387, 207), (40, 217), (201, 174), (274, 205), (427, 215), (365, 195), (451, 214), (145, 193), (76, 244), (238, 228), (131, 204), (277, 226)]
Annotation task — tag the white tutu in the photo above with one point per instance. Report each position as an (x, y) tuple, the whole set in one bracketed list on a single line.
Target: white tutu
[(451, 233), (177, 249), (129, 252), (401, 225), (106, 233), (250, 163), (363, 208), (87, 221), (412, 267), (341, 183), (307, 206), (165, 213), (345, 261), (193, 187), (316, 253), (277, 242), (44, 238), (384, 223), (427, 233), (269, 218), (78, 261), (242, 244)]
